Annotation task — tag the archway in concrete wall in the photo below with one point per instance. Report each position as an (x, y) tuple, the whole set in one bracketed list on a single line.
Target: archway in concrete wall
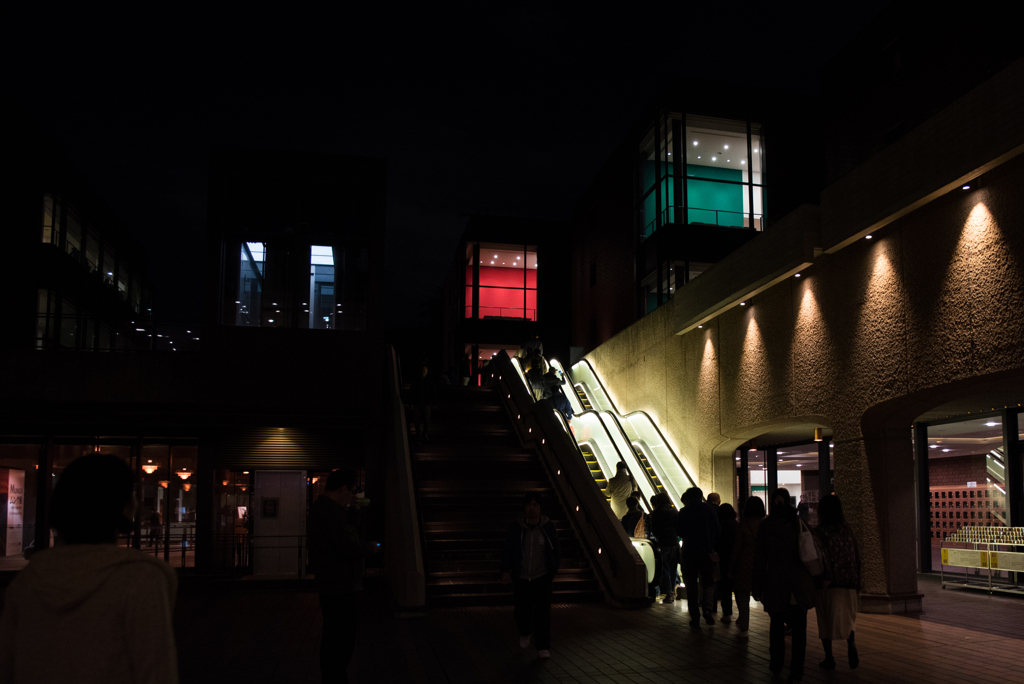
[(738, 459), (888, 429)]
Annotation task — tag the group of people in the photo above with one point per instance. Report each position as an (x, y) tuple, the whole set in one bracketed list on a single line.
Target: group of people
[(757, 556), (545, 381)]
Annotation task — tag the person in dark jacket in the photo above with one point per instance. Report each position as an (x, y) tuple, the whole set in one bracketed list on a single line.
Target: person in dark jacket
[(782, 584), (836, 604), (698, 525), (630, 521), (663, 527), (723, 587), (741, 566), (530, 561), (336, 557)]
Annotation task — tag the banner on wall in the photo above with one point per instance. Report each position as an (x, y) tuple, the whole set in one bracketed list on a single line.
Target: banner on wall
[(12, 505)]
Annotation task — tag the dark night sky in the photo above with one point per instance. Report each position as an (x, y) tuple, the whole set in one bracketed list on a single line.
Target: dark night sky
[(509, 110)]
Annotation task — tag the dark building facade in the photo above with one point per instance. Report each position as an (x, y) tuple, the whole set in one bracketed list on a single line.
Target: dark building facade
[(230, 440)]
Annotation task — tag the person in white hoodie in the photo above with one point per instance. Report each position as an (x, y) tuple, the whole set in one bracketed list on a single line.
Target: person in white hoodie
[(87, 610)]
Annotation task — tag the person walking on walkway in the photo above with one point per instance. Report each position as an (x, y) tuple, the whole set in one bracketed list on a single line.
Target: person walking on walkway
[(336, 556), (741, 567), (531, 559), (726, 541), (89, 610), (836, 604), (782, 584), (620, 488), (698, 525)]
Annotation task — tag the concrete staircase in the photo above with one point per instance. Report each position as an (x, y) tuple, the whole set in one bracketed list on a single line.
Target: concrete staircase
[(470, 477)]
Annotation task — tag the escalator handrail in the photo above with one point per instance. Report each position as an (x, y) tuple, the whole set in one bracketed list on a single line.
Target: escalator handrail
[(620, 569), (647, 475), (654, 424)]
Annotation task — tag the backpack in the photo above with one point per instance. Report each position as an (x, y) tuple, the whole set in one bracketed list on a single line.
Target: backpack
[(843, 560), (641, 529)]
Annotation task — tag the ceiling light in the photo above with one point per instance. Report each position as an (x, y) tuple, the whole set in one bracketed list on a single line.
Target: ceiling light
[(271, 320), (700, 326), (728, 160), (714, 159), (698, 156), (868, 237), (726, 147), (991, 424), (670, 154), (743, 161), (743, 303), (946, 450), (966, 187), (934, 446), (755, 149), (694, 143), (184, 473), (495, 256), (797, 275), (149, 468)]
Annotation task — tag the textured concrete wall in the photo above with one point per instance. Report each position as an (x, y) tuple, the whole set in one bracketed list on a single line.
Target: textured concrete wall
[(934, 299)]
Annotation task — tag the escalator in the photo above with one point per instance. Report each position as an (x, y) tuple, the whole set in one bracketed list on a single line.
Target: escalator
[(595, 468)]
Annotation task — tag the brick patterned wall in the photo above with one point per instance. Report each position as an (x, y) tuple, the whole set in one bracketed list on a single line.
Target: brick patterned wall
[(956, 471)]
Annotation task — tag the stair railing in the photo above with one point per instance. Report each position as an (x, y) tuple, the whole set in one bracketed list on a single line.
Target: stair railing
[(403, 557), (618, 567)]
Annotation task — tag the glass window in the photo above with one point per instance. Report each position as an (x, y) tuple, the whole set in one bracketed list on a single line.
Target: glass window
[(46, 327), (18, 485), (68, 325), (136, 293), (323, 301), (51, 219), (721, 174), (122, 280), (966, 461), (109, 264), (249, 297), (469, 280), (92, 251), (73, 241), (508, 281)]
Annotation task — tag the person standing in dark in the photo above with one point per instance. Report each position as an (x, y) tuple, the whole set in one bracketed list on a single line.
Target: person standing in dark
[(836, 604), (663, 527), (88, 610), (531, 559), (741, 567), (631, 522), (465, 370), (336, 556), (781, 582), (698, 525), (533, 345), (723, 587), (424, 394)]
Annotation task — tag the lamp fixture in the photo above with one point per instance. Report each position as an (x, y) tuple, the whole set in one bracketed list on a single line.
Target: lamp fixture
[(868, 237), (224, 483), (184, 473), (187, 486), (966, 187), (164, 483), (819, 434), (150, 468)]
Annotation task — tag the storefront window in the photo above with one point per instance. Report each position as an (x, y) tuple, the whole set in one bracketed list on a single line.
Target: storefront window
[(18, 482), (232, 519), (966, 479), (468, 266)]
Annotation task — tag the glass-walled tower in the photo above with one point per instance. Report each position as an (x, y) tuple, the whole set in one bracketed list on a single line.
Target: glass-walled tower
[(700, 193)]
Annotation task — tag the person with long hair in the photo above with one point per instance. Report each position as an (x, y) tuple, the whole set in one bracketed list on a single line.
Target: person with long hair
[(836, 607), (741, 567), (782, 583)]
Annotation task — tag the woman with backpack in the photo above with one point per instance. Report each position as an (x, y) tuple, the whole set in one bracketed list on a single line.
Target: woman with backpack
[(836, 606)]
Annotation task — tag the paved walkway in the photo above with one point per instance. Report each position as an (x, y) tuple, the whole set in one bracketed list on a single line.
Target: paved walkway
[(228, 637)]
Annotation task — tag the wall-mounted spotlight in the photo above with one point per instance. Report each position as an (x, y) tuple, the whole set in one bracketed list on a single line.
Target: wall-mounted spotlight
[(819, 434)]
